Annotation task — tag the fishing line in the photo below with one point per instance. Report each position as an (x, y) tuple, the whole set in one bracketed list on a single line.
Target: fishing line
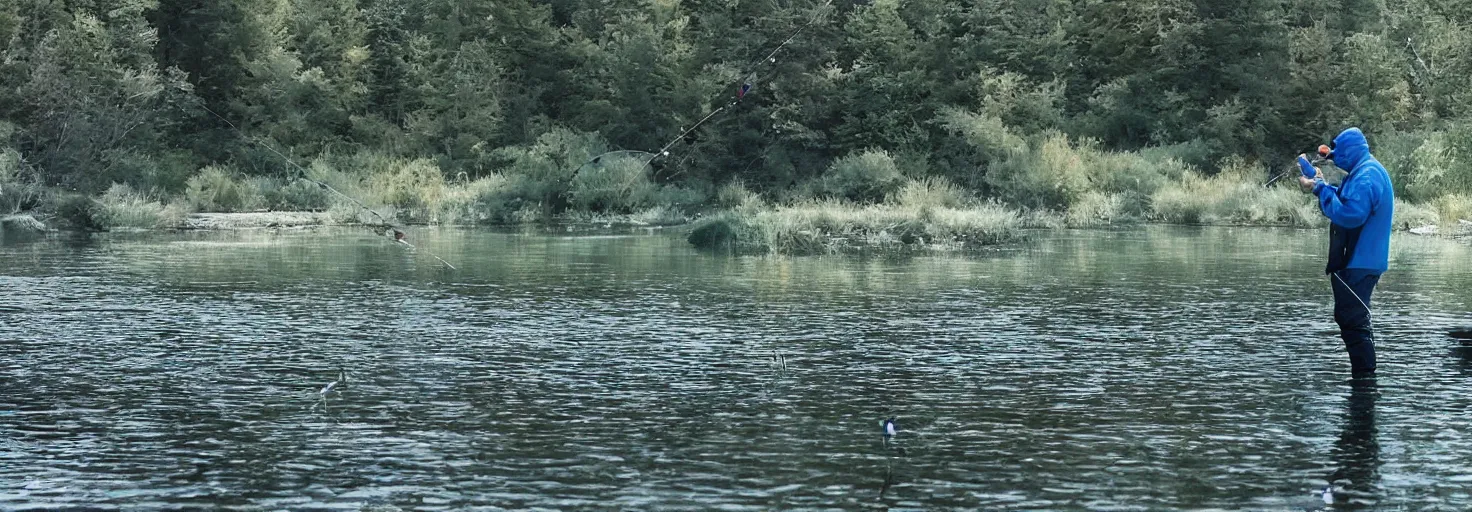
[(1368, 315), (744, 86), (302, 171), (746, 82)]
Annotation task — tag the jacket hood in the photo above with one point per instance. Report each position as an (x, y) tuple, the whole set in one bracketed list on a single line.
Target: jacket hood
[(1350, 149)]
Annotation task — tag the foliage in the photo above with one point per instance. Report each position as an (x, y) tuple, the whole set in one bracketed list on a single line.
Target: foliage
[(473, 112), (123, 207), (866, 177), (219, 189), (831, 227)]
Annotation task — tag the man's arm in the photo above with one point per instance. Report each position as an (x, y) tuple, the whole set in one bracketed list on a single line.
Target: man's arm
[(1348, 209)]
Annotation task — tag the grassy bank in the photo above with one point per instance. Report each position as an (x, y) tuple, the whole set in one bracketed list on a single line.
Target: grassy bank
[(870, 201), (864, 203), (928, 215)]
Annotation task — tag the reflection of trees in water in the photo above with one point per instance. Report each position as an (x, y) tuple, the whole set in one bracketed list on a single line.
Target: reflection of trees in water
[(1357, 452)]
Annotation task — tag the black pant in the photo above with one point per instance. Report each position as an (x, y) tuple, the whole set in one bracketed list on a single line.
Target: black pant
[(1352, 289)]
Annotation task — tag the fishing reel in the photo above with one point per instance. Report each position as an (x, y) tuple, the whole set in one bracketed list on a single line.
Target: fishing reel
[(1309, 168)]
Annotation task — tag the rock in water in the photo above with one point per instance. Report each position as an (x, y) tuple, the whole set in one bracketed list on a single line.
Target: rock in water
[(21, 224)]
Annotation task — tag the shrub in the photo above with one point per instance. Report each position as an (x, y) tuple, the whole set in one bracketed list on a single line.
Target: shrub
[(18, 191), (297, 195), (544, 170), (1410, 216), (1048, 175), (79, 211), (617, 184), (1096, 209), (735, 196), (1451, 209), (123, 207), (869, 176), (479, 201), (679, 198), (217, 189), (412, 185), (929, 192), (827, 227)]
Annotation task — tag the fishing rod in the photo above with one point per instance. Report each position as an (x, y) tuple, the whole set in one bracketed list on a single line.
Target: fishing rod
[(746, 83), (398, 233)]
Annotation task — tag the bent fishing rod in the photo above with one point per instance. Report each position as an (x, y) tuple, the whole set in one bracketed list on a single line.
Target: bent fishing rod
[(398, 232)]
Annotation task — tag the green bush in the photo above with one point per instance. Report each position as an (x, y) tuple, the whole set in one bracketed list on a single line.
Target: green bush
[(679, 198), (735, 196), (1057, 173), (829, 227), (930, 192), (1051, 174), (415, 185), (476, 202), (1233, 196), (166, 171), (617, 184), (1192, 154), (1019, 103), (123, 207), (217, 189), (869, 176), (543, 171), (1097, 209), (1451, 209), (79, 212), (300, 195), (18, 190), (1181, 205), (718, 233), (989, 135), (1410, 215)]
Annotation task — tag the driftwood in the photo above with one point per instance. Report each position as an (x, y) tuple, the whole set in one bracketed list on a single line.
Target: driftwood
[(21, 224)]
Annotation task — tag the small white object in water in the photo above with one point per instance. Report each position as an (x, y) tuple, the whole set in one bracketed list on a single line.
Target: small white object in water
[(888, 426), (341, 377), (1328, 495)]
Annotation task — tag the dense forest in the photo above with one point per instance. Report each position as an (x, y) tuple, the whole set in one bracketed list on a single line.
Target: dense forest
[(493, 111)]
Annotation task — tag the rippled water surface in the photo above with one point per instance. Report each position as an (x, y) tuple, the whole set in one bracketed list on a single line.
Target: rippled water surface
[(1149, 369)]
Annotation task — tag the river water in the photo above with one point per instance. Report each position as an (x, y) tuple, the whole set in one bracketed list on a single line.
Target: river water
[(1153, 368)]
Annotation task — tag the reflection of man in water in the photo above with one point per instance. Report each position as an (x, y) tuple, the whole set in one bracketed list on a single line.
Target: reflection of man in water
[(1463, 351), (1357, 453)]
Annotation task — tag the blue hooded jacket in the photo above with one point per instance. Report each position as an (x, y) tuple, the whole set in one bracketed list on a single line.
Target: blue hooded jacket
[(1360, 209)]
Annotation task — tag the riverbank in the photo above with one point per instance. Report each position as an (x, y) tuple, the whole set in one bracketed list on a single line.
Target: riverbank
[(812, 227), (917, 216)]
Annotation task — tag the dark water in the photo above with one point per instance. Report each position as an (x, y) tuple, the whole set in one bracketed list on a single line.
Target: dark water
[(1152, 369)]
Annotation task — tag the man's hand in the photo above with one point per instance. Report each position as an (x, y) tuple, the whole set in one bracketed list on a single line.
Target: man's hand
[(1306, 184), (1310, 174)]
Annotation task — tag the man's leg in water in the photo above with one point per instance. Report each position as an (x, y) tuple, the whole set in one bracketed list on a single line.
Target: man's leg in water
[(1351, 288)]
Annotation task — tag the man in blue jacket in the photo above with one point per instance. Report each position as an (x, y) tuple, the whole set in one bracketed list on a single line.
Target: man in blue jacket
[(1359, 211)]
